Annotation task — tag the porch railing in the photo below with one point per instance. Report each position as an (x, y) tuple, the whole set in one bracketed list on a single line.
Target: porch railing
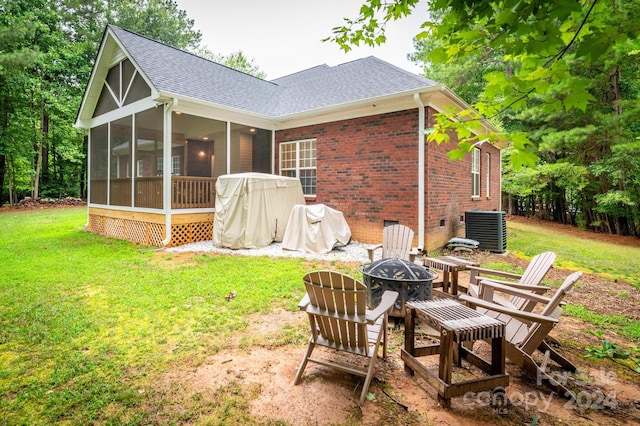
[(187, 192)]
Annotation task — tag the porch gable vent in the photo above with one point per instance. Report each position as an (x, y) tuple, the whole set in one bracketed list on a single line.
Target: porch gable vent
[(489, 228)]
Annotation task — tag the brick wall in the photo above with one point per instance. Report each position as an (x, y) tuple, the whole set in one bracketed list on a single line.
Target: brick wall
[(367, 168)]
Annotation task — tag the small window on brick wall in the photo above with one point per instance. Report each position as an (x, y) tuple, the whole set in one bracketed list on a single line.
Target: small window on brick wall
[(487, 166), (298, 159), (475, 173)]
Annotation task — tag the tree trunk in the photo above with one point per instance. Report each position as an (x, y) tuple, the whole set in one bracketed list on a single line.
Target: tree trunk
[(45, 177), (615, 93), (3, 169), (4, 124), (38, 149)]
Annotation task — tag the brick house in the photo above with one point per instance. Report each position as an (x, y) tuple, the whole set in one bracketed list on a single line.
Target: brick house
[(162, 124)]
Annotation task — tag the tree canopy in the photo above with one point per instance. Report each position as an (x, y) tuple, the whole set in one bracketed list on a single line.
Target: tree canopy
[(539, 41)]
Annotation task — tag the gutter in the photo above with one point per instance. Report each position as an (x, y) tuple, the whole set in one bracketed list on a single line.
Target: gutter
[(421, 185)]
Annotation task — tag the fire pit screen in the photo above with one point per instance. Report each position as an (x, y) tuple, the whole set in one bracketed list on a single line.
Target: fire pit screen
[(411, 281)]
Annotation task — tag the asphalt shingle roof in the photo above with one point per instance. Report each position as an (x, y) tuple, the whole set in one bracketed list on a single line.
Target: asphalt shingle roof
[(174, 71)]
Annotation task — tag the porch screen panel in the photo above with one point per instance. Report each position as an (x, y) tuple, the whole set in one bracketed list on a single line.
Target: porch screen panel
[(149, 154), (197, 156), (98, 167), (121, 166)]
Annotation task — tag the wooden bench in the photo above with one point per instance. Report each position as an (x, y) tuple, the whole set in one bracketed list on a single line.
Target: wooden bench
[(457, 324)]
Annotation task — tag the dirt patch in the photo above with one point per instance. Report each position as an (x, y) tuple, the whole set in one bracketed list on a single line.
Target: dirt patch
[(328, 397)]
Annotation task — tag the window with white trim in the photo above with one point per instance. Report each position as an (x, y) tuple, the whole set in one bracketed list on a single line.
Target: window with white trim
[(298, 159), (175, 165), (139, 168), (487, 166), (475, 173)]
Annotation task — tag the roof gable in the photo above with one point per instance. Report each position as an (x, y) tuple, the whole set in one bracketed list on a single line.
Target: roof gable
[(175, 73)]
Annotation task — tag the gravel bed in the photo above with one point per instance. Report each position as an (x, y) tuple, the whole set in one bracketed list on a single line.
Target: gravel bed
[(352, 252)]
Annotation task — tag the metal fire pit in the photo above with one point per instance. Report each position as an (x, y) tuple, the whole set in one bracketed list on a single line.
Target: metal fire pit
[(411, 281)]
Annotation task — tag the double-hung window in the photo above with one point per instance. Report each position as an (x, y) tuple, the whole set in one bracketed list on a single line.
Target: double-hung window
[(487, 165), (475, 173), (298, 159)]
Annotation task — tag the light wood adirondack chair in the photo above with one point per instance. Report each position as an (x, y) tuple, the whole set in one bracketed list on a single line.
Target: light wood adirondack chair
[(526, 331), (529, 281), (339, 319), (396, 242)]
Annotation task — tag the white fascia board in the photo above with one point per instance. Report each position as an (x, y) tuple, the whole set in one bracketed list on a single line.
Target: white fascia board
[(109, 44), (362, 108), (126, 110), (99, 63), (448, 98), (200, 108)]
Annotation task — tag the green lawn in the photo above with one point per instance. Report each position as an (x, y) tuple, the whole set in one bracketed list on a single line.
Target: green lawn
[(614, 261), (88, 324), (86, 321)]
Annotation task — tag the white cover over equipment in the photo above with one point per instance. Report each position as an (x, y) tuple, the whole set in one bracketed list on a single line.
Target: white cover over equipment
[(252, 209), (315, 229)]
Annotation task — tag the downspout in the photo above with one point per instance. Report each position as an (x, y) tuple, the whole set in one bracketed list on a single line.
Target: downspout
[(421, 187), (166, 170), (500, 181), (228, 147), (273, 151)]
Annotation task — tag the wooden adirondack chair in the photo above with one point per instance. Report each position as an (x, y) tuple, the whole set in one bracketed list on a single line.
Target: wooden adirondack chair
[(526, 331), (396, 242), (529, 281), (339, 319)]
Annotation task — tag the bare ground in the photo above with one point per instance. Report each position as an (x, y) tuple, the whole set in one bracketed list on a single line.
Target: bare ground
[(607, 393)]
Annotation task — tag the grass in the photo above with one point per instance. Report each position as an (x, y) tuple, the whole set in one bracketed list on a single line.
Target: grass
[(89, 325), (86, 322), (614, 261)]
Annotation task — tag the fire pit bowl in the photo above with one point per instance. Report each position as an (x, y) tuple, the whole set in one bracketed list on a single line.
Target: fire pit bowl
[(411, 281)]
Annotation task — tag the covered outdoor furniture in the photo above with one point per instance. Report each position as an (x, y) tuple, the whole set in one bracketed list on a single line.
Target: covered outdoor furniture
[(252, 209), (457, 324), (339, 320), (396, 242), (529, 281), (526, 331), (315, 229)]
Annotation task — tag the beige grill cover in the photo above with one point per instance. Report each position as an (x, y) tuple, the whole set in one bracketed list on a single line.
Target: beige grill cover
[(315, 229), (252, 209)]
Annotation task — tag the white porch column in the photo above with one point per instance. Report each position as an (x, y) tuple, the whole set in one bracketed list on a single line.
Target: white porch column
[(166, 169)]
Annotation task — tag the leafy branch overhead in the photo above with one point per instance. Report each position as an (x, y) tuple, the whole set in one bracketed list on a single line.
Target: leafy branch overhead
[(539, 42)]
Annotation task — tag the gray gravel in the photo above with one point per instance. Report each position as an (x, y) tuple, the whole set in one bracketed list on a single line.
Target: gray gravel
[(352, 252)]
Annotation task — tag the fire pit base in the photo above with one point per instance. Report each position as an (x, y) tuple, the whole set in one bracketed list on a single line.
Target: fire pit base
[(412, 282)]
